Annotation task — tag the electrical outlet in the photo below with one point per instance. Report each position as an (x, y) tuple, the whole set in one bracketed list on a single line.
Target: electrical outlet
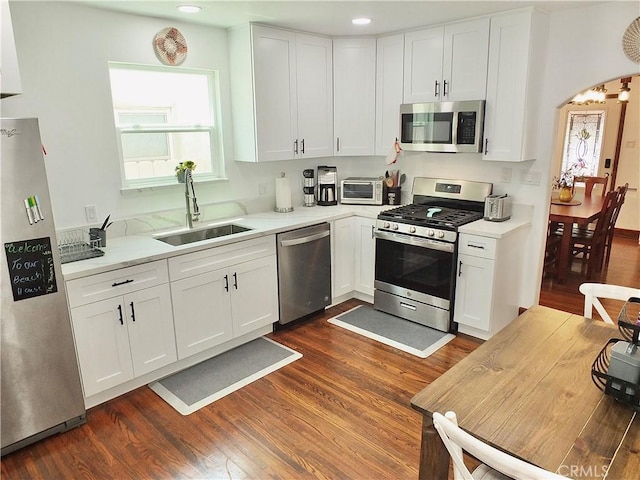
[(530, 178), (262, 189), (506, 174), (91, 213)]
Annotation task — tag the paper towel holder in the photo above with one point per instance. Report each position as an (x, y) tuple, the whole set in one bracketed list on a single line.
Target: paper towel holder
[(283, 196)]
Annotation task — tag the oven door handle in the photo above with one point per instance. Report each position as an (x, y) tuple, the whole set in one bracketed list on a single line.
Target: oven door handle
[(416, 241)]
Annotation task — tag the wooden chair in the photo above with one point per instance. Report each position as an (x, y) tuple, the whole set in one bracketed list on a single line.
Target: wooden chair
[(495, 463), (590, 182), (593, 292), (622, 192), (589, 245)]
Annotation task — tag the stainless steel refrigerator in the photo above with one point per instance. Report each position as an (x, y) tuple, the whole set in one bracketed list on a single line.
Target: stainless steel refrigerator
[(40, 391)]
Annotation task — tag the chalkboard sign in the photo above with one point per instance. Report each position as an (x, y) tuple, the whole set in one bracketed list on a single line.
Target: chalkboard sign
[(31, 268)]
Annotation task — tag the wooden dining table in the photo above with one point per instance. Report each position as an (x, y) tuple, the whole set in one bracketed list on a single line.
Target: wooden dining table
[(584, 210), (528, 391)]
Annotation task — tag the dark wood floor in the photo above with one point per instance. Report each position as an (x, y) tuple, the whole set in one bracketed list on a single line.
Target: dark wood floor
[(341, 411), (623, 269)]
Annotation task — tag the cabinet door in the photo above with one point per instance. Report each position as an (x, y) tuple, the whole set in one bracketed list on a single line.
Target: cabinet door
[(389, 81), (465, 57), (343, 264), (275, 92), (102, 343), (474, 292), (254, 294), (150, 325), (314, 84), (507, 88), (423, 51), (201, 311), (365, 255), (354, 96)]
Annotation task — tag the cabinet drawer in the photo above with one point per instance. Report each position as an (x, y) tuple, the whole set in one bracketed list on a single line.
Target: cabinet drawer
[(118, 282), (184, 266), (476, 246)]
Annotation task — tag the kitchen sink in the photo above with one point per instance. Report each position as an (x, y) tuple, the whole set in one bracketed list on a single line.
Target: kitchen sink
[(191, 236)]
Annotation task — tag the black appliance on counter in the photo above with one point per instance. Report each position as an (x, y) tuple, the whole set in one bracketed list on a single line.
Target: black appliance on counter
[(417, 248), (327, 185)]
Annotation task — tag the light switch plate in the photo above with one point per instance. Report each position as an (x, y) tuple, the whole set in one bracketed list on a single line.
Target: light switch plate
[(91, 213)]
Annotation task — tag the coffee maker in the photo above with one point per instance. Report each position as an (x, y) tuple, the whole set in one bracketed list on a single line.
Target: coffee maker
[(309, 187), (327, 185)]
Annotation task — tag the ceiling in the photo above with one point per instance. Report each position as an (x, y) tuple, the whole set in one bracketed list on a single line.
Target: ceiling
[(329, 17)]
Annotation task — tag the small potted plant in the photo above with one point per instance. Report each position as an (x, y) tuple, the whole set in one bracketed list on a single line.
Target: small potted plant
[(564, 182), (181, 169)]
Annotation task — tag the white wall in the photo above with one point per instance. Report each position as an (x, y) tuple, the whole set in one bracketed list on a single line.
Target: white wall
[(63, 50)]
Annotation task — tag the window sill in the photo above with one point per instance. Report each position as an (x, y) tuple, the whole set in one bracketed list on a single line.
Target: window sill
[(168, 183)]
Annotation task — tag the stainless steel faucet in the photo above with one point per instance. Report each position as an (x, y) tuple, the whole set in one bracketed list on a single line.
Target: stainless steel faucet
[(190, 196)]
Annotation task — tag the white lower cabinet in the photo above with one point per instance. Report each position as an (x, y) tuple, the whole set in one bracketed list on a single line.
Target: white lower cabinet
[(365, 255), (124, 336), (353, 252), (227, 297), (343, 256), (488, 283)]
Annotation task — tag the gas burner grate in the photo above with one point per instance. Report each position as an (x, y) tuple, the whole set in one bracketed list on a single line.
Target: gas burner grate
[(431, 215)]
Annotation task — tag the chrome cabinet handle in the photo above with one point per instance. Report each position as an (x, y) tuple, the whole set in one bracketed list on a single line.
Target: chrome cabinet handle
[(115, 284), (226, 282), (120, 312), (460, 268), (486, 146), (436, 91), (444, 88), (303, 146), (235, 280), (295, 147)]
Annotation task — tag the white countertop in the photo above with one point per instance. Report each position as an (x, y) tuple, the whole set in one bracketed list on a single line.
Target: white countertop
[(136, 249)]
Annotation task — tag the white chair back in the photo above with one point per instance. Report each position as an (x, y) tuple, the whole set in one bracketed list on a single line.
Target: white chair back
[(594, 291), (456, 440)]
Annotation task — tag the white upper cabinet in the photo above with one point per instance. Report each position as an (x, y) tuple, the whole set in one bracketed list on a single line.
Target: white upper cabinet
[(281, 93), (514, 81), (10, 83), (389, 83), (446, 63), (354, 96)]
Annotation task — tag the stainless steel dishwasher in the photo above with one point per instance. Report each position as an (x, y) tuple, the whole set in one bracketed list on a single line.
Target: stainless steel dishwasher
[(304, 271)]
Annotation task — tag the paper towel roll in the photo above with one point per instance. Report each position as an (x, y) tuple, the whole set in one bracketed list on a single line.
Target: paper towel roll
[(283, 195)]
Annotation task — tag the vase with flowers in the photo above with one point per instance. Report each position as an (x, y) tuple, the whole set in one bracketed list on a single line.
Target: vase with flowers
[(564, 183), (181, 169)]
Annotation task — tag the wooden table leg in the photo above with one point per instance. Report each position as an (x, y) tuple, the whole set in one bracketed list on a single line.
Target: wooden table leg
[(564, 262), (434, 458)]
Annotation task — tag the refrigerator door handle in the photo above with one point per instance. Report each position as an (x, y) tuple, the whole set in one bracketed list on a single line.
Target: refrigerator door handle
[(120, 312)]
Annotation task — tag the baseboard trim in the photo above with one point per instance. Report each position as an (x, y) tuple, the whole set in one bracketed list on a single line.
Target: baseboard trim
[(623, 232)]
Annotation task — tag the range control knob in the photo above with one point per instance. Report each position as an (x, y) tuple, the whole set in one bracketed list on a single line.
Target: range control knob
[(412, 229), (440, 234), (386, 225), (395, 226), (431, 233)]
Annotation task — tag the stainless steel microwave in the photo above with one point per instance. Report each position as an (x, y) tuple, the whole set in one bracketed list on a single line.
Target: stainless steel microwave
[(452, 127), (361, 191)]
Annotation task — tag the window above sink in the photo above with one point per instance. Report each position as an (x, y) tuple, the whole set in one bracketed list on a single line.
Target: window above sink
[(163, 116)]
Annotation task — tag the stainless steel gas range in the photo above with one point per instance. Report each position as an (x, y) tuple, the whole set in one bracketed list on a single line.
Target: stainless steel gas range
[(417, 248)]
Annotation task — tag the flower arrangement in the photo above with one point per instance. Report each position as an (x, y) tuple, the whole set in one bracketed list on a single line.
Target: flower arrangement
[(565, 179), (182, 166)]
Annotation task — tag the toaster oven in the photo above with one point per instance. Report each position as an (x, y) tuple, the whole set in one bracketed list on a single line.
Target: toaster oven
[(361, 191)]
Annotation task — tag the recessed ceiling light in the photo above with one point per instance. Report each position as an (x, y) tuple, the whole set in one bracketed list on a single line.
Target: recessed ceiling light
[(361, 21), (189, 8)]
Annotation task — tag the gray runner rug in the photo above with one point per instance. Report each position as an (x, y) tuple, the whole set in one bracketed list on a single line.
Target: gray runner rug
[(208, 381), (394, 331)]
